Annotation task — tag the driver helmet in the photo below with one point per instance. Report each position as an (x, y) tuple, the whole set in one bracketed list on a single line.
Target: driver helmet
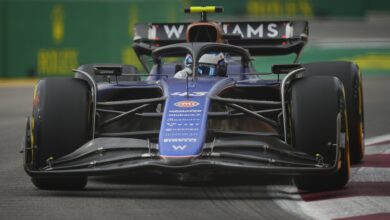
[(212, 64), (188, 61)]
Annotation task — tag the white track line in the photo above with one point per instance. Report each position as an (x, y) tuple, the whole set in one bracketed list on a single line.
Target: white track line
[(370, 174), (346, 207), (377, 139), (377, 149)]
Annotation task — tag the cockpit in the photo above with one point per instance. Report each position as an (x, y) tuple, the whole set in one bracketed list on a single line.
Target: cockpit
[(200, 60)]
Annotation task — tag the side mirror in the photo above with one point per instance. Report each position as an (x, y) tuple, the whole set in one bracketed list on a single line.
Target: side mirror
[(284, 68), (108, 70)]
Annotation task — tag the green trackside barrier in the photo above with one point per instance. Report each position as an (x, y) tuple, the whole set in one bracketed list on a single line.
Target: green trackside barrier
[(300, 8), (2, 40), (51, 37), (372, 61)]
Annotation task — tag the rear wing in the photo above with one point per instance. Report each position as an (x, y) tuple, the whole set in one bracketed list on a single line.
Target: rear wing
[(260, 38)]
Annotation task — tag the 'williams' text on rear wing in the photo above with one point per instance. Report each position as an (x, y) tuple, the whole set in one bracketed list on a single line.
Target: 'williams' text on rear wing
[(260, 38)]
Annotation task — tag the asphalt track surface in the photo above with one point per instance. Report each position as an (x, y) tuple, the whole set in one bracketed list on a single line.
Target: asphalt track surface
[(156, 198)]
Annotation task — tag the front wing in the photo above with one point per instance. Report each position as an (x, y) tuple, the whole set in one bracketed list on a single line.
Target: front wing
[(245, 155)]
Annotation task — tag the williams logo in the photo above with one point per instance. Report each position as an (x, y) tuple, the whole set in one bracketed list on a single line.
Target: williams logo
[(179, 147), (247, 30), (186, 104)]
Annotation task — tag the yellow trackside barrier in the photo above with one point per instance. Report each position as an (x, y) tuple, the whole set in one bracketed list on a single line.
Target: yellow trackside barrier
[(17, 82)]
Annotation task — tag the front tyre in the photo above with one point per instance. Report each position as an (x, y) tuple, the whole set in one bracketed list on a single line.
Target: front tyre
[(318, 124), (61, 123), (348, 73)]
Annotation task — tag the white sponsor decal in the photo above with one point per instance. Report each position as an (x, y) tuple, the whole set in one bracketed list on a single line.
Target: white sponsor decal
[(174, 140), (237, 30), (258, 31), (186, 104), (179, 147), (183, 119), (186, 111), (183, 115), (261, 30), (190, 94), (181, 129), (289, 31), (173, 31), (270, 30), (152, 32), (246, 31)]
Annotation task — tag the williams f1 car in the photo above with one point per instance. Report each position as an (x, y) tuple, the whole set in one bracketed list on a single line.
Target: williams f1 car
[(219, 116)]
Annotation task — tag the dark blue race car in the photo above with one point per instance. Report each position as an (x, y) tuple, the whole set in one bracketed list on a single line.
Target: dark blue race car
[(201, 109)]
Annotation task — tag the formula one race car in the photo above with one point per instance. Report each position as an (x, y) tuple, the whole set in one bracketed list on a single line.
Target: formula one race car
[(201, 109)]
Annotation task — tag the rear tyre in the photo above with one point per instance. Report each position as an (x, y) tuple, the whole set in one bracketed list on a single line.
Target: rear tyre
[(351, 78), (62, 123), (317, 109)]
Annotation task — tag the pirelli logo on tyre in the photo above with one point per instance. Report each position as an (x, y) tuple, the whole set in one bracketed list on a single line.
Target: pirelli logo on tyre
[(186, 104)]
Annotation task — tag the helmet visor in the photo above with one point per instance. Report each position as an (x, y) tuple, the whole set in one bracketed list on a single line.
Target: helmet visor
[(206, 70), (188, 61)]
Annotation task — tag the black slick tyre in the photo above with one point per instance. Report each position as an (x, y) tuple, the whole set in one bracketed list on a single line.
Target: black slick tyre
[(62, 123), (350, 76), (318, 118)]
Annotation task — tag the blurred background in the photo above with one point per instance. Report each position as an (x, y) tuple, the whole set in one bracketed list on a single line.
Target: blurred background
[(50, 37)]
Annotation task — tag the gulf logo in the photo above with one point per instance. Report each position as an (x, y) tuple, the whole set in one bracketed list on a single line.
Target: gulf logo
[(186, 104)]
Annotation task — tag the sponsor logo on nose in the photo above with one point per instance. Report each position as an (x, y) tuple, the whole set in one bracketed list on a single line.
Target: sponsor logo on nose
[(179, 147), (186, 104)]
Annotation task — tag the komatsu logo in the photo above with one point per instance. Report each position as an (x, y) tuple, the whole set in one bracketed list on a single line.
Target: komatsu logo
[(186, 104), (179, 147)]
